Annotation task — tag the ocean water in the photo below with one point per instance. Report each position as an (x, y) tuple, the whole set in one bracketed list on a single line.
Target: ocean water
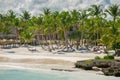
[(51, 75)]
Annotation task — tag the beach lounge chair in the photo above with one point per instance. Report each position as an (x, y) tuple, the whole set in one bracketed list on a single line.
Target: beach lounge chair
[(32, 49)]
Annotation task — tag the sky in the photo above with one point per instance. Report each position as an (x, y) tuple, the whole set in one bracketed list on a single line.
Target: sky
[(36, 6)]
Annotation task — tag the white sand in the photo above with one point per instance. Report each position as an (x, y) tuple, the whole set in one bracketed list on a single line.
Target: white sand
[(22, 52), (22, 57)]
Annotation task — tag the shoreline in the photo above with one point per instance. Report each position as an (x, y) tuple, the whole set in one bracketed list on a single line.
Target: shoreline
[(74, 70), (45, 61), (22, 58)]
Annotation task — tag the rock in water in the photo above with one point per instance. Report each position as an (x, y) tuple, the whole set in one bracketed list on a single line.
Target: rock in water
[(112, 71)]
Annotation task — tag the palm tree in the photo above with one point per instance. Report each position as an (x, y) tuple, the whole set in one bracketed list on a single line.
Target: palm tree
[(7, 22), (24, 23), (46, 11), (74, 34), (25, 16), (75, 17), (83, 17), (96, 12), (1, 22), (65, 21), (11, 15), (90, 24), (27, 36), (114, 11), (13, 20), (55, 27), (48, 27)]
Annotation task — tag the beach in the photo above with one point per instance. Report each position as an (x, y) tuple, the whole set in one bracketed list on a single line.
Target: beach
[(41, 59), (21, 61), (59, 40)]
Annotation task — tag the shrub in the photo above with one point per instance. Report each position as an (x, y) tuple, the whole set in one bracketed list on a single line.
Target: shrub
[(109, 57), (97, 58), (115, 45)]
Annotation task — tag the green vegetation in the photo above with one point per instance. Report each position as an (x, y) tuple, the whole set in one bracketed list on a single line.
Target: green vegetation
[(97, 58), (76, 27), (109, 57)]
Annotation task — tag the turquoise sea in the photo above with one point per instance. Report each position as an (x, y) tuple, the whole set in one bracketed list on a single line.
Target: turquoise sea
[(51, 75)]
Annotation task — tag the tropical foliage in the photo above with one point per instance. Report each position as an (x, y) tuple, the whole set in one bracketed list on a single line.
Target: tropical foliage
[(76, 27)]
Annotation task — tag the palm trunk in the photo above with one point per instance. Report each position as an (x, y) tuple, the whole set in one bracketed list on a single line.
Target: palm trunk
[(97, 36), (82, 35), (77, 45), (66, 39)]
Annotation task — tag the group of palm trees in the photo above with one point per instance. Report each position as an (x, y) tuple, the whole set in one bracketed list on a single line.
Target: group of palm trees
[(69, 28)]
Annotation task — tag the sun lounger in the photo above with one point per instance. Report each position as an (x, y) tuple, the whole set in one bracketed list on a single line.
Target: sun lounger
[(32, 49)]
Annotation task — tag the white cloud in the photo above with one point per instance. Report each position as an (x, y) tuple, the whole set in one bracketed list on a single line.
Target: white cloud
[(36, 6)]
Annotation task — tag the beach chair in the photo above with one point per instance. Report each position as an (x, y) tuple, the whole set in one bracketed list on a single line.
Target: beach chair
[(33, 49)]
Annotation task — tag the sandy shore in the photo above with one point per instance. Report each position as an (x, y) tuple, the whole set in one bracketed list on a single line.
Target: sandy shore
[(23, 58)]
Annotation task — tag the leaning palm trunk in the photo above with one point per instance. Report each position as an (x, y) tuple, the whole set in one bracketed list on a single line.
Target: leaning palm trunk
[(97, 36), (66, 39), (56, 41), (50, 43), (47, 43), (77, 44), (82, 35)]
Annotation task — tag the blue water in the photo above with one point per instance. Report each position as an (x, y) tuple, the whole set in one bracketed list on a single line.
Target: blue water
[(31, 75), (50, 75)]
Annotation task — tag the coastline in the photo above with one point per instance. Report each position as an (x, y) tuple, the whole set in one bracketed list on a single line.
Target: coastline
[(22, 57), (44, 61)]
